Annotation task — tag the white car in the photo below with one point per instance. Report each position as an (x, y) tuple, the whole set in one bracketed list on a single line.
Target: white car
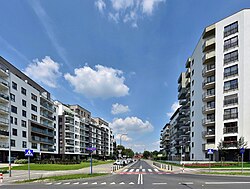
[(118, 162)]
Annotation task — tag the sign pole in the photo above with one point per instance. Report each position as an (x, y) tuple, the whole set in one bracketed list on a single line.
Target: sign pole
[(242, 157), (29, 166), (91, 163), (209, 162)]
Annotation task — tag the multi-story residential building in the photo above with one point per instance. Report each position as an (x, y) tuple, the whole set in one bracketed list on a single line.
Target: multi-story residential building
[(29, 118), (27, 112), (165, 140)]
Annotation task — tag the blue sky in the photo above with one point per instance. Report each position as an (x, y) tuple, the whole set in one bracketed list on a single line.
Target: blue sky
[(120, 59)]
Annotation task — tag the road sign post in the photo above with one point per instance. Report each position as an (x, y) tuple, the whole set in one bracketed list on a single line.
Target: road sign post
[(242, 151), (28, 153), (210, 152), (91, 150)]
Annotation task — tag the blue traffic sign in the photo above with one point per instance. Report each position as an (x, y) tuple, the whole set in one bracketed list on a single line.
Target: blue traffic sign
[(91, 149), (210, 151), (29, 153), (242, 150)]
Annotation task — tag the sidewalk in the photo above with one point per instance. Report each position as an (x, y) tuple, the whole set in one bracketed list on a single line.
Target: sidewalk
[(18, 175)]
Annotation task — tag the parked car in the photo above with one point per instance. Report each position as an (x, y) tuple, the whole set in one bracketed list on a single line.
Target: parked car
[(118, 162)]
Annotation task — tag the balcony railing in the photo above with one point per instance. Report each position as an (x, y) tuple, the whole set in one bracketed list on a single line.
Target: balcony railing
[(231, 87), (47, 106), (230, 144), (231, 73), (231, 59), (208, 94), (4, 145), (4, 133), (4, 82), (208, 68), (208, 81), (231, 45), (4, 96), (4, 108), (231, 101), (230, 116), (47, 116), (207, 108), (41, 131), (208, 120), (208, 133), (4, 120), (227, 130)]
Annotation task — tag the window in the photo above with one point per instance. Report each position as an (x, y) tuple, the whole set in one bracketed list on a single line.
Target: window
[(33, 117), (231, 85), (211, 92), (12, 97), (24, 113), (24, 123), (192, 113), (193, 83), (15, 121), (192, 93), (34, 145), (192, 72), (24, 134), (12, 143), (14, 85), (192, 134), (192, 123), (14, 132), (231, 43), (192, 62), (231, 29), (23, 91), (231, 71), (192, 103), (33, 107), (192, 156), (230, 113), (24, 103), (192, 144), (33, 97), (24, 144), (11, 119), (231, 57), (13, 109), (211, 104), (231, 100)]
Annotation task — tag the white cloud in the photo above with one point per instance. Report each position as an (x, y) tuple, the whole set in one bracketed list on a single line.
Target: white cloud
[(119, 109), (101, 5), (174, 107), (45, 71), (131, 124), (128, 11), (123, 138), (100, 82)]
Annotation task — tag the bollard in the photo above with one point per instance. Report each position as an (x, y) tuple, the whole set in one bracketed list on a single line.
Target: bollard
[(171, 167), (161, 166), (168, 166), (1, 177), (183, 167)]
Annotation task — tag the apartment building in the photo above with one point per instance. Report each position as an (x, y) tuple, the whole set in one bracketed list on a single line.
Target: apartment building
[(29, 118), (27, 115), (165, 140)]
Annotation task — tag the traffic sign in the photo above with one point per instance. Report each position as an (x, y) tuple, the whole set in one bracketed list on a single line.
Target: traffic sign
[(29, 153), (242, 150), (91, 149), (210, 151)]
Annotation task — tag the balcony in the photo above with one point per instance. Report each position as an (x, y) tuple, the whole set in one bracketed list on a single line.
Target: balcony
[(208, 95), (230, 116), (4, 84), (231, 101), (47, 107), (209, 31), (207, 146), (208, 121), (188, 73), (4, 110), (47, 149), (231, 73), (230, 144), (208, 83), (187, 83), (4, 134), (42, 140), (231, 87), (4, 121), (4, 145), (209, 44), (208, 109), (208, 70), (208, 57), (42, 132), (229, 130), (4, 97), (47, 116), (208, 134)]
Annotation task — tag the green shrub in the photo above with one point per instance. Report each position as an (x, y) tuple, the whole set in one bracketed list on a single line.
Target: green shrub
[(21, 161)]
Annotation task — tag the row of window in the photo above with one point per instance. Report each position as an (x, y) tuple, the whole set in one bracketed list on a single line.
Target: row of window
[(23, 91), (14, 133), (13, 120), (231, 29)]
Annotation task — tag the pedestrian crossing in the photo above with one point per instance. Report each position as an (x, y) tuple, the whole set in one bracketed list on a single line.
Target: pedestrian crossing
[(142, 171)]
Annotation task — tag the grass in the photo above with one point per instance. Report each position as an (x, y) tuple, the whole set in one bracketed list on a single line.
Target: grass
[(65, 177), (226, 173), (56, 167)]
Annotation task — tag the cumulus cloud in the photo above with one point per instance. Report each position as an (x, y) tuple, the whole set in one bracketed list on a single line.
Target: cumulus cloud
[(103, 82), (131, 124), (174, 107), (127, 11), (123, 138), (119, 109), (45, 71)]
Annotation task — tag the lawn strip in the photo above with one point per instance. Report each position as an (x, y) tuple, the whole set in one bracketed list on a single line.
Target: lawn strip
[(225, 173)]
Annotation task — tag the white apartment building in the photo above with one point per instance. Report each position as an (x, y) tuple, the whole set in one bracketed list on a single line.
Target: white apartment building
[(27, 114), (220, 87)]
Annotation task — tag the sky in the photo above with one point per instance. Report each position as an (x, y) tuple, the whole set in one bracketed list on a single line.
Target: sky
[(119, 59)]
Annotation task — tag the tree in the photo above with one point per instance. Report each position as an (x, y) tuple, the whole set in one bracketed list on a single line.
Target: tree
[(146, 154), (129, 152), (241, 143), (222, 149)]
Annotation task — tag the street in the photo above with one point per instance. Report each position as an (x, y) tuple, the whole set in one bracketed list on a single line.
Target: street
[(143, 175)]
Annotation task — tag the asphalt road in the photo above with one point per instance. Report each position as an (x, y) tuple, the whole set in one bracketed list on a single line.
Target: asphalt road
[(143, 175)]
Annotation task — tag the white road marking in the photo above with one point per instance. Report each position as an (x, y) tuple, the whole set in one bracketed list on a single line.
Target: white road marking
[(227, 182), (94, 183), (156, 170), (122, 183), (58, 183), (149, 170), (186, 183), (141, 167), (139, 179), (125, 170), (131, 183), (103, 183), (85, 183), (131, 170), (76, 183), (48, 183), (66, 183), (159, 183), (137, 170), (143, 170), (112, 183)]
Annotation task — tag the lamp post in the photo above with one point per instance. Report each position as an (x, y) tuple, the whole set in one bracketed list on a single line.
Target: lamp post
[(123, 134), (181, 154)]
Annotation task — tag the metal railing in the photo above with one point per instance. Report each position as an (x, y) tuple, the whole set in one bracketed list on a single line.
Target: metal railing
[(230, 116), (227, 130)]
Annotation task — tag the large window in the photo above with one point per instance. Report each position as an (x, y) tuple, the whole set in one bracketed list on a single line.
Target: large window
[(33, 107), (231, 29), (231, 57), (23, 91), (13, 109), (14, 85), (230, 71), (230, 113), (33, 97), (231, 85), (231, 43)]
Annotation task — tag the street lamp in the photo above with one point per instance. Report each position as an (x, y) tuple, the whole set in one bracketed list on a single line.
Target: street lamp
[(121, 137), (181, 154)]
